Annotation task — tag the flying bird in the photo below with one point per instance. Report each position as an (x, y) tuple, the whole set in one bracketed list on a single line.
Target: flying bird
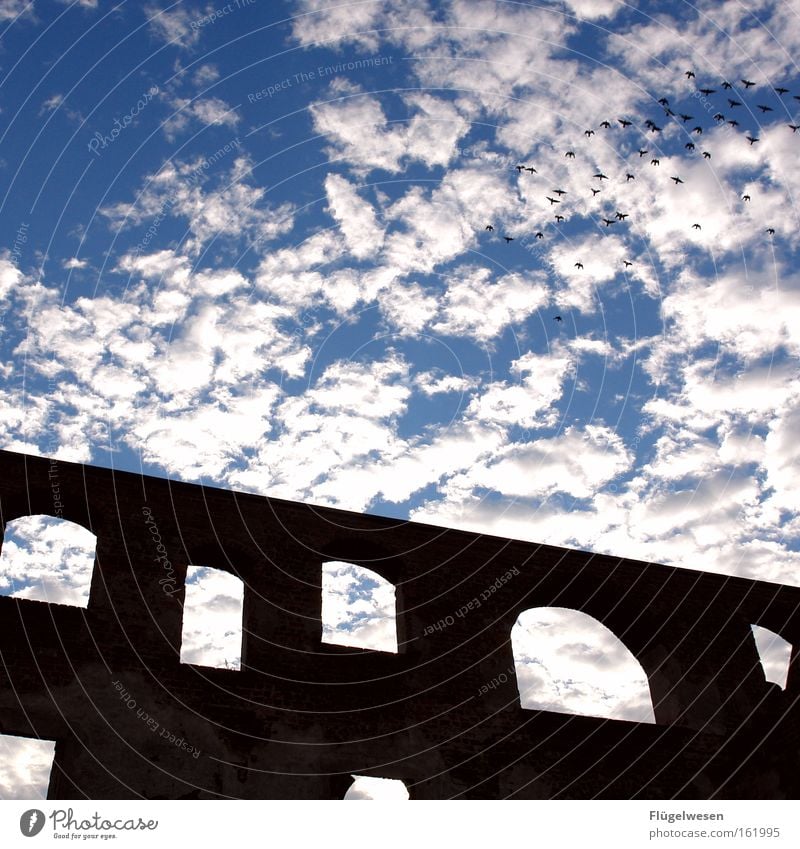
[(489, 227), (747, 83), (595, 192), (655, 129), (531, 170), (520, 168), (508, 239), (782, 91), (629, 177), (719, 117), (686, 118), (558, 318), (707, 91), (601, 176), (570, 154), (706, 155), (605, 125), (764, 108), (745, 197), (642, 153), (734, 103), (663, 101), (676, 180), (559, 192), (539, 235), (690, 75), (689, 146), (624, 122), (698, 130), (752, 139), (771, 231), (578, 265), (627, 264), (608, 221), (794, 127), (588, 133), (552, 200), (734, 123), (655, 162), (727, 85), (696, 227), (621, 216), (560, 218)]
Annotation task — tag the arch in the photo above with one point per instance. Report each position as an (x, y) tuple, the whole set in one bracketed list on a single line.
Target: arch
[(568, 662), (212, 618), (359, 608), (45, 558), (775, 654), (378, 789), (25, 766)]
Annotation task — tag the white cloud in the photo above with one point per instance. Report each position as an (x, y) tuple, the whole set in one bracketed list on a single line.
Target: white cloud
[(25, 766), (173, 25)]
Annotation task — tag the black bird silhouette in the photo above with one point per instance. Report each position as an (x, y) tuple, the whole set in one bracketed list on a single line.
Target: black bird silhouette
[(747, 83), (559, 192), (560, 218), (727, 85), (751, 139), (719, 117), (601, 176), (608, 221), (588, 133), (794, 127), (676, 180), (552, 200), (771, 231), (570, 154), (696, 227), (689, 146), (655, 129), (642, 153), (655, 162), (686, 118), (663, 101), (706, 155), (668, 111), (796, 96), (734, 103), (621, 216), (690, 75), (595, 192), (745, 197), (764, 108), (531, 170), (734, 123), (578, 265), (624, 122), (508, 239), (648, 123), (605, 124), (629, 177), (627, 264), (489, 227), (782, 91), (539, 235), (520, 168), (707, 91), (698, 130), (557, 318)]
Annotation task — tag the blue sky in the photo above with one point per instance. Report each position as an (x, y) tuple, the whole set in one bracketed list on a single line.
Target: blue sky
[(246, 244)]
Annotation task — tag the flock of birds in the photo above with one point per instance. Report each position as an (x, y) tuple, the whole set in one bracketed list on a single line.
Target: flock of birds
[(649, 127)]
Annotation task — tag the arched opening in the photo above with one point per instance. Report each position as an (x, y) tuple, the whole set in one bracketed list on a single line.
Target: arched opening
[(358, 608), (568, 662), (775, 654), (47, 559), (25, 765), (212, 618), (378, 789)]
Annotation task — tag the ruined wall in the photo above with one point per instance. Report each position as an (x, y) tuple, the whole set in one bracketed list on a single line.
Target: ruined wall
[(302, 716)]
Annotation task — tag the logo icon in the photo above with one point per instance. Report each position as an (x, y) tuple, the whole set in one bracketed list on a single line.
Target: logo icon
[(31, 822)]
